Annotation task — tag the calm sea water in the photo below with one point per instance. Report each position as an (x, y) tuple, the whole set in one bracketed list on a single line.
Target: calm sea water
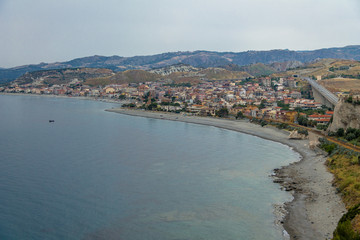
[(99, 175)]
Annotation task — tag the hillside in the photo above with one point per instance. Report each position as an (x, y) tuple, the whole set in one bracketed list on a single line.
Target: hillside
[(214, 74), (336, 75), (100, 76), (128, 76), (177, 75), (62, 76), (196, 59), (165, 71)]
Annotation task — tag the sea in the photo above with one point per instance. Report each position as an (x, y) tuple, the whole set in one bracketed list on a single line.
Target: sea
[(93, 174)]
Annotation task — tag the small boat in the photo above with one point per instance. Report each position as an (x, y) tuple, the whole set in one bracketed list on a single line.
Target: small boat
[(50, 121)]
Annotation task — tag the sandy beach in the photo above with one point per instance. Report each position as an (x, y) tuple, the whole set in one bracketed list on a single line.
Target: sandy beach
[(316, 208)]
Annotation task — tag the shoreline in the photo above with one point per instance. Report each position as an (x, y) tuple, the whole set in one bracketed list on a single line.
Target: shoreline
[(67, 97), (316, 208)]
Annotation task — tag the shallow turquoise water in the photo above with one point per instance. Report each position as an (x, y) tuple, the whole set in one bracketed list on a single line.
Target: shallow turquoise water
[(99, 175)]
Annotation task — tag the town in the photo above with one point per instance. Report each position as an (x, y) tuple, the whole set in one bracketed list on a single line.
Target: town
[(279, 99)]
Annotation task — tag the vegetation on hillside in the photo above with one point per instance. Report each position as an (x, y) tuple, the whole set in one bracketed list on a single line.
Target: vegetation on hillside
[(257, 69), (130, 76), (345, 165), (351, 135), (223, 74)]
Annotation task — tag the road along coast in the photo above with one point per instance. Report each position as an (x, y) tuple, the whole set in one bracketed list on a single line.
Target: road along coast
[(316, 208)]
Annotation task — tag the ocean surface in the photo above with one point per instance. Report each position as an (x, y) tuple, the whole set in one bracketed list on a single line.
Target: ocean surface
[(99, 175)]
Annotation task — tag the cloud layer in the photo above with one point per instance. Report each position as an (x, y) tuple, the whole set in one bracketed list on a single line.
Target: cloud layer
[(49, 30)]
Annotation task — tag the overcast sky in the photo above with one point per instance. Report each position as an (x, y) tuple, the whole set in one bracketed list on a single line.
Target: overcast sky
[(34, 31)]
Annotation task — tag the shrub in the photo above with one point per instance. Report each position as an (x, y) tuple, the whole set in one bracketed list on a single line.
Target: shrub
[(239, 115), (350, 136), (263, 123), (130, 105), (344, 231), (282, 126), (340, 132), (328, 147), (331, 134), (223, 112), (303, 131), (349, 99), (321, 127), (303, 121)]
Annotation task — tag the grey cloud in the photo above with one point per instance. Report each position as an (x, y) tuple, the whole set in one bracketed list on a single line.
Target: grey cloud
[(49, 30)]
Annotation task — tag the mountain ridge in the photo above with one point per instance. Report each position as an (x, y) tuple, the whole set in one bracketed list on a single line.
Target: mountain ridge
[(200, 58)]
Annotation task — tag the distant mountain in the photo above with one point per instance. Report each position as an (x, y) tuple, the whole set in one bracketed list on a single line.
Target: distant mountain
[(196, 59)]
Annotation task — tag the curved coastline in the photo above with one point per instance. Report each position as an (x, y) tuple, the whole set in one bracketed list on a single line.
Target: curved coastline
[(316, 208)]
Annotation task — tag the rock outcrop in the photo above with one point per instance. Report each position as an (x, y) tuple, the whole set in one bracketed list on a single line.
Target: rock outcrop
[(345, 115), (296, 135)]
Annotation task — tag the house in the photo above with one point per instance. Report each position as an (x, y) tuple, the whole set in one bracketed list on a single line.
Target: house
[(318, 117)]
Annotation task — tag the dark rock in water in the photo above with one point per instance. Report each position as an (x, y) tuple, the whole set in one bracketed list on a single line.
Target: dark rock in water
[(51, 121)]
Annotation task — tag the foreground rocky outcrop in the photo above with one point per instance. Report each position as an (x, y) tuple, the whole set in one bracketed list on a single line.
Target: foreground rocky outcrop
[(345, 115)]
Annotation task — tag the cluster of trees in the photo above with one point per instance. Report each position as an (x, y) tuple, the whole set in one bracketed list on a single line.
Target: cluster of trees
[(178, 84), (349, 134), (333, 69), (283, 105), (261, 122), (130, 105), (304, 121), (350, 99), (341, 75), (170, 104), (312, 111), (240, 115), (222, 112)]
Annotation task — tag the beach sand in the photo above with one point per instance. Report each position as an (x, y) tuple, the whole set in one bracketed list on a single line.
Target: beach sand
[(316, 208)]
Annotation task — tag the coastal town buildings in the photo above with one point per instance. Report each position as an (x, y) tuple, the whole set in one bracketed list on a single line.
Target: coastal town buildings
[(264, 98)]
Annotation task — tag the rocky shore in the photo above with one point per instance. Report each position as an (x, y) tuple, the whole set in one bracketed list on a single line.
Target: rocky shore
[(316, 208)]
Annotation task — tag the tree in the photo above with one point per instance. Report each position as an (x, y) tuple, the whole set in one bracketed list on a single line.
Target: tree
[(152, 106), (222, 112), (262, 104), (239, 115), (349, 99), (350, 136), (302, 120), (340, 132)]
